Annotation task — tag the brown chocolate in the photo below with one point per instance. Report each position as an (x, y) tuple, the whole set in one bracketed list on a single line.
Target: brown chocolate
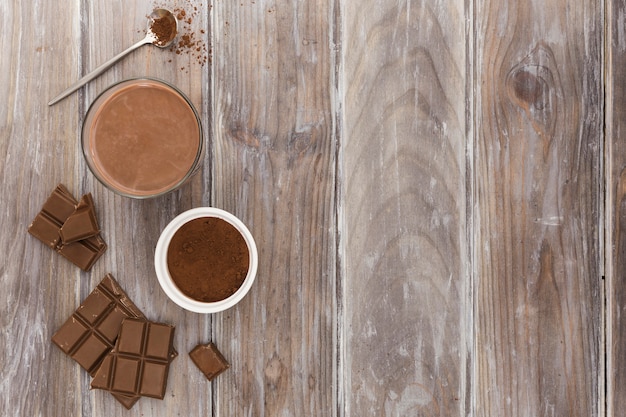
[(139, 363), (209, 360), (125, 400), (82, 223), (208, 259), (84, 253), (55, 211), (47, 225), (87, 343), (92, 329)]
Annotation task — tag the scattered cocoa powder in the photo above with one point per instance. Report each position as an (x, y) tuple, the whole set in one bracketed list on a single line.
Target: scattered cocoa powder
[(188, 43)]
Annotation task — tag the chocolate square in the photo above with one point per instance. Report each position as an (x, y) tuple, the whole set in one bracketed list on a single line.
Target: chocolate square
[(209, 360), (154, 377)]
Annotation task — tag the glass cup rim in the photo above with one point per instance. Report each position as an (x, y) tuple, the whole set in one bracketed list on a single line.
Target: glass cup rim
[(85, 134), (165, 279)]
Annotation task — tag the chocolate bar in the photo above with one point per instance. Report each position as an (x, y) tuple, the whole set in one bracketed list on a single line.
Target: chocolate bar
[(128, 401), (82, 223), (56, 211), (92, 329), (84, 253), (209, 360), (139, 363)]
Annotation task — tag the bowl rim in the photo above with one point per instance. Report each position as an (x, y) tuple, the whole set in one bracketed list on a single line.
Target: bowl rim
[(165, 279)]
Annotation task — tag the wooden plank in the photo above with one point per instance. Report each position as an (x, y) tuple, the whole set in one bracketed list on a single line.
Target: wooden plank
[(274, 167), (407, 299), (616, 209), (39, 287), (538, 181)]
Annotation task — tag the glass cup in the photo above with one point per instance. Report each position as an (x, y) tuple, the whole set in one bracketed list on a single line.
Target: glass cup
[(142, 138)]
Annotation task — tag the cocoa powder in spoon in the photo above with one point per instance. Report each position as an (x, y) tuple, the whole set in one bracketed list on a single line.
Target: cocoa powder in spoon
[(164, 29)]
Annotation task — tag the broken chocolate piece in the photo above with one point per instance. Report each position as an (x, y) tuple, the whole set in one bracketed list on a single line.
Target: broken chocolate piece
[(84, 253), (47, 225), (127, 400), (95, 324), (82, 223), (209, 360), (92, 329), (55, 211), (139, 363)]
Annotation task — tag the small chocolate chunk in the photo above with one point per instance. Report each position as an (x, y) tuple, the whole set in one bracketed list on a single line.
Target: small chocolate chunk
[(125, 400), (209, 360), (139, 363), (82, 223)]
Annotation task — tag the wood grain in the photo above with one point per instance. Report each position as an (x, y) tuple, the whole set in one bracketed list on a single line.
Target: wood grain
[(274, 166), (428, 183), (39, 288), (538, 209), (616, 210), (406, 293)]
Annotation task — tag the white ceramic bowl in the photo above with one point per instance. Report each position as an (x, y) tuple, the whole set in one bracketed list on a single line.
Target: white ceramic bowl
[(165, 279)]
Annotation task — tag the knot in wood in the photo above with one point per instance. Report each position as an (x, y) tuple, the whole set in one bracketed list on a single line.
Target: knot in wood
[(273, 372), (529, 87), (245, 137), (300, 141)]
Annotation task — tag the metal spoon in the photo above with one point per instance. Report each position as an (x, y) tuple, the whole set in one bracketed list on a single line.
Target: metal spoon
[(151, 37)]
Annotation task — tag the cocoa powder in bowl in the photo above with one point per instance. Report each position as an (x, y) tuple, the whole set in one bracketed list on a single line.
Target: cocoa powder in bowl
[(208, 259)]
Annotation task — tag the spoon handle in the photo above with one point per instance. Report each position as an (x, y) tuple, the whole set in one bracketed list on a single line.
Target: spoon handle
[(93, 74)]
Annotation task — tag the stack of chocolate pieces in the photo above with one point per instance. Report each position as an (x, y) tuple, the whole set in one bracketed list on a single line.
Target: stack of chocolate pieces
[(111, 339), (70, 227), (139, 363)]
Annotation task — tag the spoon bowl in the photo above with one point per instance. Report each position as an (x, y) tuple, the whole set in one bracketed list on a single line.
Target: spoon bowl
[(162, 27), (161, 32)]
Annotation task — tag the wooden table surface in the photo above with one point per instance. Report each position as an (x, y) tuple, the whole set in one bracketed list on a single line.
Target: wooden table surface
[(437, 190)]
